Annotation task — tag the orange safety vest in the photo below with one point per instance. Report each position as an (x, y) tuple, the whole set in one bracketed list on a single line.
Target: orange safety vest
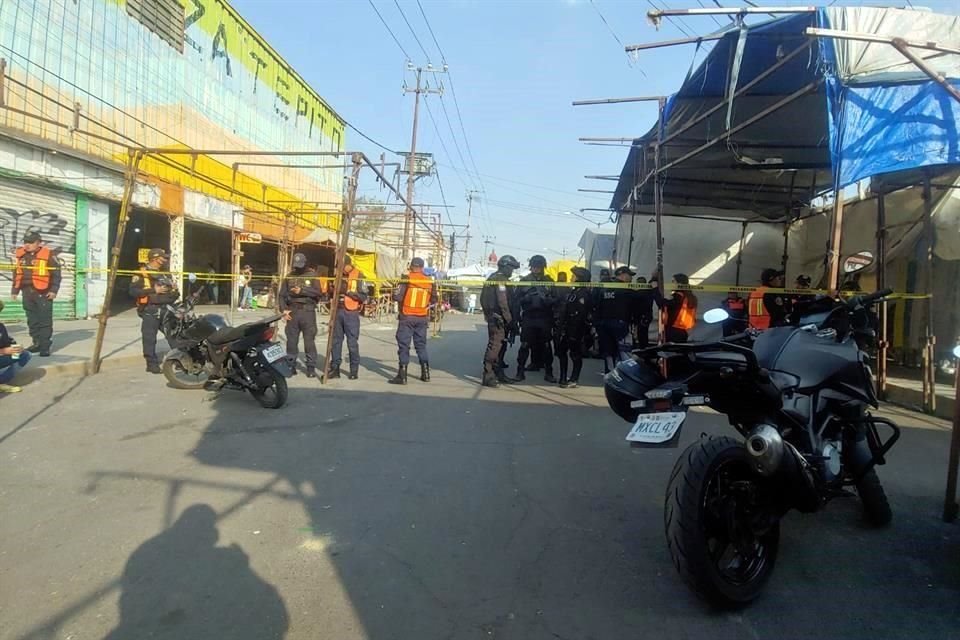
[(687, 315), (40, 276), (349, 303), (757, 311), (144, 299), (417, 299)]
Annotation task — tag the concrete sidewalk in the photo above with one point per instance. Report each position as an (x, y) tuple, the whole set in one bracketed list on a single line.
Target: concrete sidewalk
[(73, 341)]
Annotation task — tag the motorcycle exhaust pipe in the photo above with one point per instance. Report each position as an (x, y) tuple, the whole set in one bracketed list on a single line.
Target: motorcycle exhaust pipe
[(765, 447)]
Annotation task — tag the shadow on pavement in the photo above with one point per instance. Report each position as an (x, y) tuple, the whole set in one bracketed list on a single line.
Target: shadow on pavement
[(179, 584)]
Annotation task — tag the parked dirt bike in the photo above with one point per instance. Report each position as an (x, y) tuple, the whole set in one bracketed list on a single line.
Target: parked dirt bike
[(209, 354), (799, 396)]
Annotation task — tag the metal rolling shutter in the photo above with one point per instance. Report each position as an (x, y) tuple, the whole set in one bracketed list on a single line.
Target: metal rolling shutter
[(24, 207)]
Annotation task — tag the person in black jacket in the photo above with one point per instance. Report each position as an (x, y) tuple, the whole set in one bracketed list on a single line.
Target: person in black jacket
[(642, 315), (574, 308), (616, 311), (495, 300), (298, 298), (536, 320), (153, 288)]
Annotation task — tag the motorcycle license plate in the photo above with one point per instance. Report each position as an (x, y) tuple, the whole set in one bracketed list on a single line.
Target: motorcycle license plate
[(273, 353), (656, 428)]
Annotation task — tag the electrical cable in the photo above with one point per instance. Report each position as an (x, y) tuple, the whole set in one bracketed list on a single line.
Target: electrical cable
[(389, 30), (410, 27)]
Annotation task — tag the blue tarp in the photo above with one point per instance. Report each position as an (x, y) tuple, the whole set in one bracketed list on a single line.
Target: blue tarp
[(866, 116)]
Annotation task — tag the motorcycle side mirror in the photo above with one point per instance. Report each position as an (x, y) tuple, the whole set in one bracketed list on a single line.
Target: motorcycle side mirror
[(956, 351), (192, 277), (713, 316), (857, 262)]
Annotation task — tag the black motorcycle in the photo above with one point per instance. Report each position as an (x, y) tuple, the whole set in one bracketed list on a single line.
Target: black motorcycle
[(207, 353), (799, 396)]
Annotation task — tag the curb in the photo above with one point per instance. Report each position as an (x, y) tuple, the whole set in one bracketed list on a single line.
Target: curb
[(83, 368)]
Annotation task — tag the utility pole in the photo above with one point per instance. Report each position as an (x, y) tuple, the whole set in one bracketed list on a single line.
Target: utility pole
[(487, 241), (409, 222), (466, 240)]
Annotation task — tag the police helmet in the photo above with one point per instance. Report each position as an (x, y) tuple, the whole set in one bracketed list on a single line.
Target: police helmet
[(508, 261), (581, 274), (538, 261), (299, 261), (628, 382)]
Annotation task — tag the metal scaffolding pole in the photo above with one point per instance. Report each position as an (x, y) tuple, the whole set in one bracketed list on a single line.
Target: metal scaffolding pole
[(882, 344), (929, 339), (658, 213)]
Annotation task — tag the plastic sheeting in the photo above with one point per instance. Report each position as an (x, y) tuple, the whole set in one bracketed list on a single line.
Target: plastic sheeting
[(598, 251)]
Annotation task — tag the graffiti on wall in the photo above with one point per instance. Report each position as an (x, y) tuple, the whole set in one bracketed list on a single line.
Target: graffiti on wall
[(14, 224)]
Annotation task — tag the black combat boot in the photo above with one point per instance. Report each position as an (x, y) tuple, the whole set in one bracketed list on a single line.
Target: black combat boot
[(311, 372), (490, 380), (354, 373), (153, 367), (401, 377), (334, 373), (425, 371), (548, 375)]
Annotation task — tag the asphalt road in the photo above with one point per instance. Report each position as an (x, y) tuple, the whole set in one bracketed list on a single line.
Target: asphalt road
[(129, 510)]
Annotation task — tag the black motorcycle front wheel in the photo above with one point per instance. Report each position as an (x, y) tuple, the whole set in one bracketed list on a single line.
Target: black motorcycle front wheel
[(722, 539), (271, 392)]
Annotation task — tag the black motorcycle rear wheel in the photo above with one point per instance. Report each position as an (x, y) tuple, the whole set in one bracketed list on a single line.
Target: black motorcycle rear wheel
[(722, 540), (272, 394)]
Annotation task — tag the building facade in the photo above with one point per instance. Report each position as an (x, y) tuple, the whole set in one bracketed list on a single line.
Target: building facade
[(83, 82)]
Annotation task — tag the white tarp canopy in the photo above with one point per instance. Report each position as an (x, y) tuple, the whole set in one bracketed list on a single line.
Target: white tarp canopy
[(599, 250)]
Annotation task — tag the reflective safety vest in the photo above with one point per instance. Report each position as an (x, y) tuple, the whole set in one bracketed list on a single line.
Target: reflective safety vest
[(352, 281), (144, 299), (687, 315), (757, 311), (39, 271), (416, 302)]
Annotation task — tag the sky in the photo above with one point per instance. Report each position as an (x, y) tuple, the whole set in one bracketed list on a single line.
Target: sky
[(513, 70)]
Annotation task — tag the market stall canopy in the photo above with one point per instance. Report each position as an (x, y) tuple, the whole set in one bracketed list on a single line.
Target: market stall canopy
[(599, 250), (806, 115), (327, 236)]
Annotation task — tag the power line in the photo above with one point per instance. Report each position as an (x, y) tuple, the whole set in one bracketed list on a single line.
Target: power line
[(443, 58), (443, 144), (371, 139), (389, 30), (404, 16), (613, 33)]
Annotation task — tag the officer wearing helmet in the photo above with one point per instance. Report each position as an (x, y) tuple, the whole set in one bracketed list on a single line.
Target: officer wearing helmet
[(536, 320), (298, 298), (495, 300)]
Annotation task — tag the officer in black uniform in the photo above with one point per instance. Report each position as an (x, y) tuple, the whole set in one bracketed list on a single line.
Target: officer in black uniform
[(778, 305), (536, 320), (616, 310), (298, 299), (498, 312), (573, 310), (642, 315), (152, 288), (37, 274)]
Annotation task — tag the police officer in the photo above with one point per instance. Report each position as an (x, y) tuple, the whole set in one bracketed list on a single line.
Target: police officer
[(574, 308), (37, 274), (498, 312), (536, 320), (642, 315), (351, 297), (736, 308), (152, 288), (415, 295), (616, 310), (681, 309), (769, 309), (298, 299)]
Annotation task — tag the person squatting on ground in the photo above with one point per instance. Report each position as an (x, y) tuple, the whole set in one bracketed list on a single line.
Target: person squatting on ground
[(415, 295), (152, 288), (495, 300), (350, 301), (37, 275), (298, 298), (12, 357), (616, 309), (681, 310), (536, 321), (574, 309)]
